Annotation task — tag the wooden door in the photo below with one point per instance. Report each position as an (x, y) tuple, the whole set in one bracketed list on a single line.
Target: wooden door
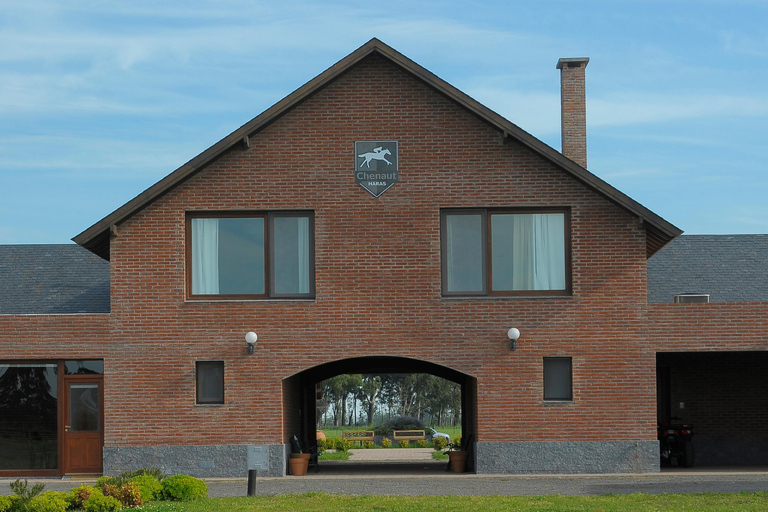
[(83, 437)]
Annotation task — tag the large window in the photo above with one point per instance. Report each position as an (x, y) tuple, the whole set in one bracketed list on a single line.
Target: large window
[(505, 252), (28, 416), (250, 255)]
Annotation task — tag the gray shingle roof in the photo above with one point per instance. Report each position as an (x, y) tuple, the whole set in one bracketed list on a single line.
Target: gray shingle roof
[(52, 279), (731, 268)]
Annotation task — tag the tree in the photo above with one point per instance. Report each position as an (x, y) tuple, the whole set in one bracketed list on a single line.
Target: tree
[(370, 388)]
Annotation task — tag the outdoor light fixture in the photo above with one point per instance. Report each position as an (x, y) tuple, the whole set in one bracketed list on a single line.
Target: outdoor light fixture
[(250, 339), (513, 334)]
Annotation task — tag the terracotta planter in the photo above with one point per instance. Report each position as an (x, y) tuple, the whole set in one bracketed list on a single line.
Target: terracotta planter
[(320, 434), (299, 464), (458, 461)]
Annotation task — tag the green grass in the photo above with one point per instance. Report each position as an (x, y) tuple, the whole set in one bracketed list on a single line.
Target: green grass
[(334, 456), (320, 502)]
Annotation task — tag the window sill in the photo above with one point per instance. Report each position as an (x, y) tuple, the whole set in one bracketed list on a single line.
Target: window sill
[(505, 297), (557, 402), (281, 299)]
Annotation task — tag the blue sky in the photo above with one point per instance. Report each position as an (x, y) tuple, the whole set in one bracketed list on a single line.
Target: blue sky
[(101, 99)]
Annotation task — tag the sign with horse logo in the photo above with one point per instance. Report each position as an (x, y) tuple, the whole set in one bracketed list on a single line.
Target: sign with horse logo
[(376, 165)]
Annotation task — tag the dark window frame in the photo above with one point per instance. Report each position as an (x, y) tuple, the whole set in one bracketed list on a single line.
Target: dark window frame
[(201, 365), (269, 280), (569, 397), (487, 266)]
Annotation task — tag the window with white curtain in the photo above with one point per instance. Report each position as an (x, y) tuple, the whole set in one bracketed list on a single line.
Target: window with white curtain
[(258, 254), (505, 252)]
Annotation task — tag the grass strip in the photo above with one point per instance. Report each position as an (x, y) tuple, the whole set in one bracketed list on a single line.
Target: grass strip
[(321, 502)]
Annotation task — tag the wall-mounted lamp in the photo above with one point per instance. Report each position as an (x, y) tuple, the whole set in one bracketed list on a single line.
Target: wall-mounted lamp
[(513, 334), (250, 339)]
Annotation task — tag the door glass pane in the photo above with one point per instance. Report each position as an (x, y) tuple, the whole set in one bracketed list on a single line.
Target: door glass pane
[(83, 367), (464, 253), (84, 408), (291, 255), (28, 417)]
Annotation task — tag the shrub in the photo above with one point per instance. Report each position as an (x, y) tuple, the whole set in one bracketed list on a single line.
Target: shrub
[(439, 443), (128, 494), (5, 503), (51, 501), (386, 442), (330, 443), (97, 502), (382, 430), (127, 476), (343, 445), (149, 486), (456, 442), (106, 480), (404, 444), (322, 445), (403, 423), (421, 443), (78, 495), (24, 494), (367, 444), (183, 488)]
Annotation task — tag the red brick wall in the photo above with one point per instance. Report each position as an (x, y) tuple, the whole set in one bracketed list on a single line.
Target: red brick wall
[(378, 279)]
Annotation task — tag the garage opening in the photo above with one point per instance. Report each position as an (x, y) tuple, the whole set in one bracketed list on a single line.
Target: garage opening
[(306, 406), (724, 396)]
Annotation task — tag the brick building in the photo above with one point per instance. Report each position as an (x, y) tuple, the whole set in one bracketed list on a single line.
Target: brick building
[(375, 220)]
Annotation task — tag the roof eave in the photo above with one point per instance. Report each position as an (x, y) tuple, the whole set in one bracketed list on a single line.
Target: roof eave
[(96, 237)]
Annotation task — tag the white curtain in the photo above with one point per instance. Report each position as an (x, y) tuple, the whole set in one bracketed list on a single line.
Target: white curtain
[(303, 250), (205, 256), (538, 260), (548, 251)]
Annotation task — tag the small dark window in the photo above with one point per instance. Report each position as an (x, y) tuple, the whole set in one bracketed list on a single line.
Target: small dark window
[(210, 382), (557, 378)]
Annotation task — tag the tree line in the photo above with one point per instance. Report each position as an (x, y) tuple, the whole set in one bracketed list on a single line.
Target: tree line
[(358, 399)]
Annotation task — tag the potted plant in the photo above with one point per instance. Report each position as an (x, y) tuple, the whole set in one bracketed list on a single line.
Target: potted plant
[(457, 456)]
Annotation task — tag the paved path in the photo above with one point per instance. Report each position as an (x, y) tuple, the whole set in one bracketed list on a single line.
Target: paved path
[(387, 472), (391, 455)]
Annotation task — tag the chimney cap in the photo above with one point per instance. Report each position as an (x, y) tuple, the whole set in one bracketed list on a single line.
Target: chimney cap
[(575, 62)]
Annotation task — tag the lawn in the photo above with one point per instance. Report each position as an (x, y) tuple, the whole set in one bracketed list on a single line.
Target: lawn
[(341, 503), (336, 431)]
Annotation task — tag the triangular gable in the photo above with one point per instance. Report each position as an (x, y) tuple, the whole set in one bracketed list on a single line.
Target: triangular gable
[(658, 231)]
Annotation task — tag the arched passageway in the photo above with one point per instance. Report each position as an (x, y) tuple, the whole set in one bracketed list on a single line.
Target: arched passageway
[(300, 396)]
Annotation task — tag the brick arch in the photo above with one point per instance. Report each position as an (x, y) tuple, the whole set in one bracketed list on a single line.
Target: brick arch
[(299, 395)]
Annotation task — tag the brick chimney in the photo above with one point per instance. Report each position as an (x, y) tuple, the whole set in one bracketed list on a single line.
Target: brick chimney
[(573, 109)]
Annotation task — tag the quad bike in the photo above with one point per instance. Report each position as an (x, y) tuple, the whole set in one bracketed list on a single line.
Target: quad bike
[(675, 441)]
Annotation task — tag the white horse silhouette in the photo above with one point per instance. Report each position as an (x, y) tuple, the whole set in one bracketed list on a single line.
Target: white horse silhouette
[(376, 154)]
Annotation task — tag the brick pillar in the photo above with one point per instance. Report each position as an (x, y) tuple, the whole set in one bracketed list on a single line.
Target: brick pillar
[(573, 109)]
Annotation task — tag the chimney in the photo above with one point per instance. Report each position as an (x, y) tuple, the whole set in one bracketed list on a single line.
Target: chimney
[(573, 109)]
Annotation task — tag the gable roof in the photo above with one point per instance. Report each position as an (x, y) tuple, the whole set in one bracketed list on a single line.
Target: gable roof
[(658, 230), (730, 268), (52, 279)]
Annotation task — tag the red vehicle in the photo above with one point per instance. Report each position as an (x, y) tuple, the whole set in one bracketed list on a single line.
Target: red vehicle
[(676, 441)]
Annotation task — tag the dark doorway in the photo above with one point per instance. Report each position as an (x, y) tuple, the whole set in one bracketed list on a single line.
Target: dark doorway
[(724, 395)]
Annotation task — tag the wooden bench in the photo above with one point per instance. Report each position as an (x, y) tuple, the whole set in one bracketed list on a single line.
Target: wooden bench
[(408, 435), (358, 435)]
